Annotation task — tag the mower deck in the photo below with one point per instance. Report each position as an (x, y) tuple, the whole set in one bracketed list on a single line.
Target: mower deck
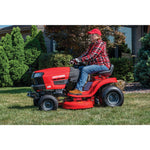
[(78, 105)]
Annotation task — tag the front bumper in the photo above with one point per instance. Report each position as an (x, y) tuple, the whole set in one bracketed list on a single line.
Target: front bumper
[(31, 94), (38, 88)]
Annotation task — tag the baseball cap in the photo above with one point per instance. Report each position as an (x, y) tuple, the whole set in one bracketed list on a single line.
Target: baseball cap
[(95, 31)]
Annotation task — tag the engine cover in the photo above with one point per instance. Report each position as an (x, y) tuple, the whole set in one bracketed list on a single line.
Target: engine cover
[(57, 78)]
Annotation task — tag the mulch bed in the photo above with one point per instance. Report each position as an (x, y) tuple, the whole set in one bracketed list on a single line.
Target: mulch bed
[(135, 87)]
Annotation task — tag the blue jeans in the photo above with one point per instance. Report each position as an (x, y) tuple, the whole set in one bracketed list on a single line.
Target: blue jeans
[(85, 70)]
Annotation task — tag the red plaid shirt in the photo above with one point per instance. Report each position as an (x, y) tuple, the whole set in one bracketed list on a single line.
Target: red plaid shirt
[(96, 54)]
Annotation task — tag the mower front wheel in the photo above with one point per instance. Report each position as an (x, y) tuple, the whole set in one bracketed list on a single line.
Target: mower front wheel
[(35, 101), (48, 102)]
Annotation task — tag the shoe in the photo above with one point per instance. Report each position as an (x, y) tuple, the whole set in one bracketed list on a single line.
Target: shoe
[(76, 92)]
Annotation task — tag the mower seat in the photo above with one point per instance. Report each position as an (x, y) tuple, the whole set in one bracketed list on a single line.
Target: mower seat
[(106, 73)]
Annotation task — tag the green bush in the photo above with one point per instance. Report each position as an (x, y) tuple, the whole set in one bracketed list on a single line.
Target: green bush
[(17, 70), (31, 55), (142, 68), (44, 60), (36, 40), (6, 43), (40, 37), (60, 60), (123, 69), (5, 79), (18, 45), (34, 46), (123, 48), (54, 60)]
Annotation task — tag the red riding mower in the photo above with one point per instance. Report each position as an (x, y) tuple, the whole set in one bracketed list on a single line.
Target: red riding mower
[(51, 86)]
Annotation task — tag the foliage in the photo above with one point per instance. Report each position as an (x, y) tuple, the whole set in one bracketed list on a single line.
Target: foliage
[(123, 48), (31, 55), (17, 64), (34, 45), (60, 60), (17, 70), (34, 31), (36, 40), (74, 39), (40, 37), (6, 43), (18, 45), (21, 57), (5, 79), (142, 68), (54, 60), (44, 60), (123, 68)]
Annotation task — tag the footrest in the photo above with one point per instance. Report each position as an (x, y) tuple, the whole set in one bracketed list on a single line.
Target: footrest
[(87, 86)]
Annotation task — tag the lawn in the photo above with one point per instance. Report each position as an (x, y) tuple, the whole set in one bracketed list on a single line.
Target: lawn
[(17, 109)]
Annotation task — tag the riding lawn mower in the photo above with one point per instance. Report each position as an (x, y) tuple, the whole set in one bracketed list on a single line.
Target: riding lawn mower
[(51, 87)]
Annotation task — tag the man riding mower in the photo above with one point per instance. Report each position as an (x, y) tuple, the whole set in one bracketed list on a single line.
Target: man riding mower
[(51, 85)]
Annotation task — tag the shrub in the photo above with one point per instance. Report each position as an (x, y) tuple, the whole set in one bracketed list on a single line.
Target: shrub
[(18, 45), (60, 60), (5, 79), (123, 48), (41, 41), (44, 60), (31, 55), (17, 70), (54, 60), (123, 68), (142, 68), (36, 40), (6, 43)]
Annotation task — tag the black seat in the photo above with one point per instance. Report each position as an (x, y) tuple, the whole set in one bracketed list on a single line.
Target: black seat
[(106, 73)]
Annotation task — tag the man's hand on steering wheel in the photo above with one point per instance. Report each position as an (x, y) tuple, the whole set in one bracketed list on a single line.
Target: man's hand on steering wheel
[(75, 61)]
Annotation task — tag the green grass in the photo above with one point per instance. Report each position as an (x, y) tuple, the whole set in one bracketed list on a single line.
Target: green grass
[(17, 109)]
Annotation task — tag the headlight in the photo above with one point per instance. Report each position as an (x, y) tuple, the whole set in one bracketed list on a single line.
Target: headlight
[(39, 74)]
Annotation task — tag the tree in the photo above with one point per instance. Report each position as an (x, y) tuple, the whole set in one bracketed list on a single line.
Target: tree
[(41, 41), (34, 46), (36, 40), (34, 31), (142, 68), (18, 45), (17, 64), (6, 43), (5, 79), (74, 39)]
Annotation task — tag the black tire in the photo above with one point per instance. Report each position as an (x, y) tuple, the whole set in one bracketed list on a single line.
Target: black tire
[(35, 101), (47, 103), (112, 96)]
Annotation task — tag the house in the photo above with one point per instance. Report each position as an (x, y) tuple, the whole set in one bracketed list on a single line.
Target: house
[(133, 34)]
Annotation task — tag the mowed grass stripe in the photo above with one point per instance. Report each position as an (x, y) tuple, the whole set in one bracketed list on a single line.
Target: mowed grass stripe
[(17, 109)]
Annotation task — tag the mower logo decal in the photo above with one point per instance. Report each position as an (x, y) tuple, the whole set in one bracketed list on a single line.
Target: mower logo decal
[(49, 86), (59, 76)]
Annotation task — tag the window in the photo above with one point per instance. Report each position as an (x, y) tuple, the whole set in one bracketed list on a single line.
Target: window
[(128, 33)]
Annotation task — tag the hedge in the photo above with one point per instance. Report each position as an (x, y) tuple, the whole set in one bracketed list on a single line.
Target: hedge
[(123, 68)]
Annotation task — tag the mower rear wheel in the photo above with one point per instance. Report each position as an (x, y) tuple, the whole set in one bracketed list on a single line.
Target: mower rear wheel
[(48, 102), (112, 96)]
